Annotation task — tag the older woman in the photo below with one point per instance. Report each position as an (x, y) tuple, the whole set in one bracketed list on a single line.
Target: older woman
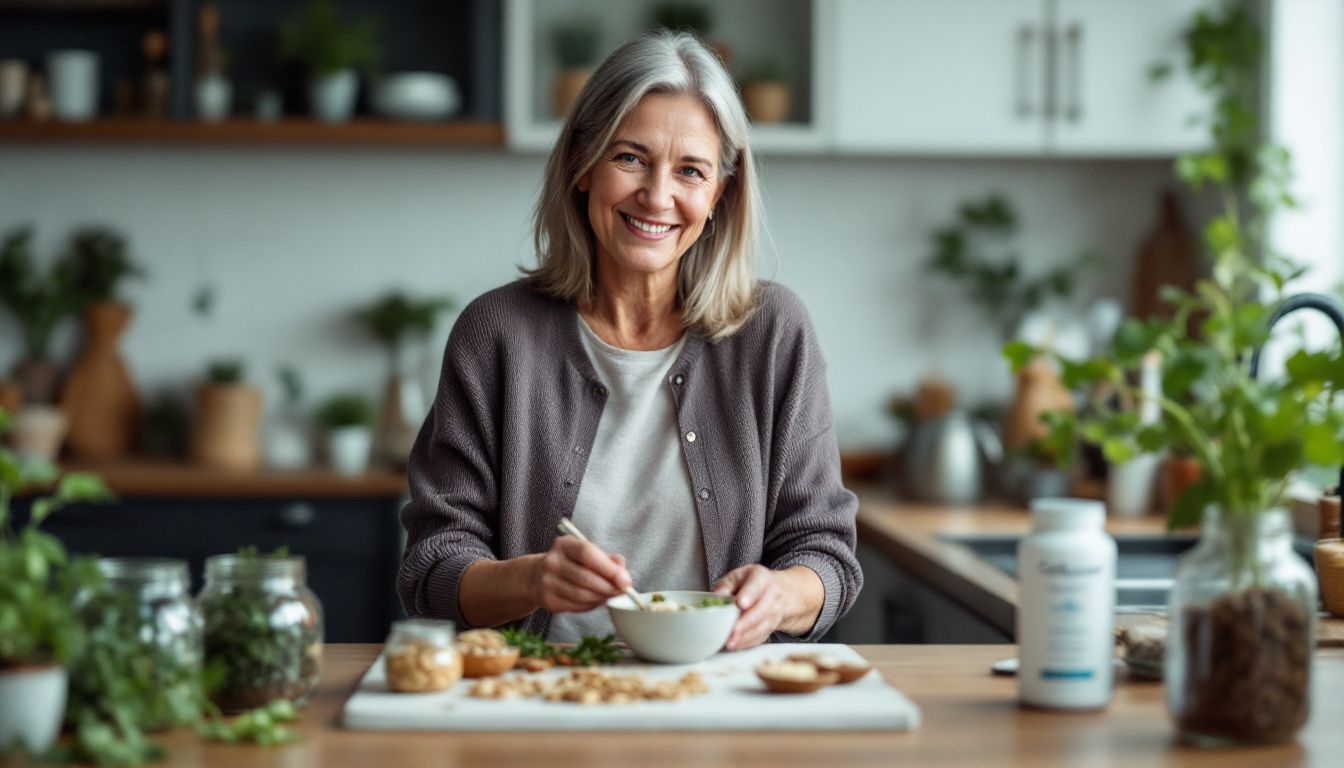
[(639, 380)]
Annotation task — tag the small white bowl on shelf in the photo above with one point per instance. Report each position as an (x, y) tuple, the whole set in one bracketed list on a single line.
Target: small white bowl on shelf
[(416, 96)]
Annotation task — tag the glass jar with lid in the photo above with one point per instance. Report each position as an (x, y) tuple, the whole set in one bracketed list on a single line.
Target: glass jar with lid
[(149, 598), (420, 656), (263, 628)]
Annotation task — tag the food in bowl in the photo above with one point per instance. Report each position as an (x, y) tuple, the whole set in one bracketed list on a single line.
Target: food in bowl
[(673, 635), (794, 676), (485, 653), (848, 672)]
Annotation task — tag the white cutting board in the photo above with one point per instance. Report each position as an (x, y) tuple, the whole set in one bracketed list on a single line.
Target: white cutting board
[(737, 701)]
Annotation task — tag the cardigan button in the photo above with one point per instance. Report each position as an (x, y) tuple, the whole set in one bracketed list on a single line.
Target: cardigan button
[(678, 379), (690, 437), (704, 494), (600, 391)]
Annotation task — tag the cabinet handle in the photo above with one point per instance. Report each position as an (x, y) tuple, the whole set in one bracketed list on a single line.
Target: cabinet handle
[(1074, 41), (299, 514), (1026, 37)]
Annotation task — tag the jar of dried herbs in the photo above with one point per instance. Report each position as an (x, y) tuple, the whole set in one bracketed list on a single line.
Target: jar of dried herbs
[(263, 630), (145, 630)]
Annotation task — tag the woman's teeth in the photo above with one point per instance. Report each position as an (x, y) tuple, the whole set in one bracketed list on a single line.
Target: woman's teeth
[(653, 229)]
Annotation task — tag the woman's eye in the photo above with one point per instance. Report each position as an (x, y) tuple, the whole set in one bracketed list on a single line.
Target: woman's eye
[(693, 172), (627, 157)]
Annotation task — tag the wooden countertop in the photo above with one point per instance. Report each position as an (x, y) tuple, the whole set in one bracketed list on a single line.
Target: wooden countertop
[(910, 534), (156, 477), (970, 719)]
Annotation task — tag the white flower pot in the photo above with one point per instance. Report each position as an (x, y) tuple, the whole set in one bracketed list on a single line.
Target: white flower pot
[(348, 449), (288, 444), (39, 431), (332, 97), (1129, 487), (72, 77), (32, 706), (214, 98)]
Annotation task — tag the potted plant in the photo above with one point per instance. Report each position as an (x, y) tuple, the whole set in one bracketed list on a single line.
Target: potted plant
[(228, 418), (38, 302), (346, 417), (288, 437), (765, 92), (576, 52), (40, 632), (333, 50), (401, 322), (1243, 604), (99, 397)]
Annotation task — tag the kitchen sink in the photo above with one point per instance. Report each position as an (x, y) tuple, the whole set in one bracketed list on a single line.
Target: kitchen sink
[(1143, 568)]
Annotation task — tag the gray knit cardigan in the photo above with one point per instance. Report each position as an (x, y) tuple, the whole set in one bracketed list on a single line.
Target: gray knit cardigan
[(501, 455)]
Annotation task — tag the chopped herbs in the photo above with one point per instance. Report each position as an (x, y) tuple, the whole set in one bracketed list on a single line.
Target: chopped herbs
[(529, 644), (256, 726), (592, 651), (715, 602)]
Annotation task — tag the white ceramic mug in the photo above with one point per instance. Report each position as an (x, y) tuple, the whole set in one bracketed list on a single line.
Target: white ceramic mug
[(72, 77), (13, 86)]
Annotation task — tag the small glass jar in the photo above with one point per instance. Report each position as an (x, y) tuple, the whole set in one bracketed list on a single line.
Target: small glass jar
[(158, 602), (420, 656), (1242, 631), (263, 628)]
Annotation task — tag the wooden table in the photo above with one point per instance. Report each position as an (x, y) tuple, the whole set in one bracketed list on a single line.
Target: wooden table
[(970, 719)]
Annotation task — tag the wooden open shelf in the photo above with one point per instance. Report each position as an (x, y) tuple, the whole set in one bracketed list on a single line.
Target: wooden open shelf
[(243, 131), (158, 477)]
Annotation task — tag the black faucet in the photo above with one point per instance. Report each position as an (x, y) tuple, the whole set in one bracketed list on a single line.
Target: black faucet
[(1327, 306)]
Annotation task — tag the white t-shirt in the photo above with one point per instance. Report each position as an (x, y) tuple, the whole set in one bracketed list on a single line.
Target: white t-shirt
[(635, 498)]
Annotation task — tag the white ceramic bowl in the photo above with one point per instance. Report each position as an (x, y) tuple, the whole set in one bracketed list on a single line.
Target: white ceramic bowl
[(416, 96), (674, 637)]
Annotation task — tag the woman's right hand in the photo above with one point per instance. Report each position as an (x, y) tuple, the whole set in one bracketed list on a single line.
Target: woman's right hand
[(575, 576)]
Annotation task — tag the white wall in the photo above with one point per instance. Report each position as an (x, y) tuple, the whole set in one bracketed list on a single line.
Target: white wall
[(294, 238)]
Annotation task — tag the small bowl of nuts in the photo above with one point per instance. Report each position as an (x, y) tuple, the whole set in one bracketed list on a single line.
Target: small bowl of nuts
[(677, 627), (485, 653)]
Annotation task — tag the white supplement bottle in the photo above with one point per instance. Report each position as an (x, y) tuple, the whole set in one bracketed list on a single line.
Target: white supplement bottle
[(1066, 606)]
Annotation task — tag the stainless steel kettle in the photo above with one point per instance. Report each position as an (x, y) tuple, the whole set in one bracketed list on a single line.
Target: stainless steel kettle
[(948, 459)]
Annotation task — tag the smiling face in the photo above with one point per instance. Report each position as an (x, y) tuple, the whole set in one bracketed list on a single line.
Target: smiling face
[(653, 188)]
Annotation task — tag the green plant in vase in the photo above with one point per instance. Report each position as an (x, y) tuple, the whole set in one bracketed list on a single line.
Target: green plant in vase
[(398, 320), (39, 301), (1242, 609), (333, 50), (346, 417)]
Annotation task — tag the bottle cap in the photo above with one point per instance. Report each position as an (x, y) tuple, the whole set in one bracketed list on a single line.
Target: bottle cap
[(1054, 514)]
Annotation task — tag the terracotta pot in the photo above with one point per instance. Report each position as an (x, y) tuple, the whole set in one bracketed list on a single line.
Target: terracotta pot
[(99, 397), (766, 102), (568, 83), (228, 419), (1178, 474), (11, 396)]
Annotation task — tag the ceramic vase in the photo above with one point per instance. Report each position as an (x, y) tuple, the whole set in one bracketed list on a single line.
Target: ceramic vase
[(228, 419), (1130, 486), (38, 432), (332, 97), (99, 397), (348, 449), (399, 416), (32, 706)]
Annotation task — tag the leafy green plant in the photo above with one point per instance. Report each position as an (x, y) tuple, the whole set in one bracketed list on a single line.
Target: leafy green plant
[(38, 301), (317, 36), (98, 263), (1249, 435), (576, 43), (975, 250), (683, 17), (225, 371), (396, 316), (347, 409)]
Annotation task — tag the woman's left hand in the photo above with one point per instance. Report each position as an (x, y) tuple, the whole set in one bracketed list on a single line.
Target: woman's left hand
[(761, 599)]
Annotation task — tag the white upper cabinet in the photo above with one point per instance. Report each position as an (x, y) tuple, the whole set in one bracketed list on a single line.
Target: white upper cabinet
[(1108, 103), (951, 76), (1013, 77)]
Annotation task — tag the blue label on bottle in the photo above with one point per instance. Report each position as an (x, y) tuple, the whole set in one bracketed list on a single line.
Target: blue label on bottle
[(1067, 674)]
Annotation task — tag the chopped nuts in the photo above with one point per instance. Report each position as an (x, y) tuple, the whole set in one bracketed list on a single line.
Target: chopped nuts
[(592, 686)]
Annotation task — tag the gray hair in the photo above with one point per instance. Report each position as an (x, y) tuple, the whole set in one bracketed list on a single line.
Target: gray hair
[(716, 281)]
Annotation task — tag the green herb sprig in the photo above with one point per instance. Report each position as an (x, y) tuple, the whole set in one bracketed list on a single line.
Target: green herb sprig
[(592, 651), (263, 726), (529, 644)]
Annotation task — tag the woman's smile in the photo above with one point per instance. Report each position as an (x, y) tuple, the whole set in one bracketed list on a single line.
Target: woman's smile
[(648, 230)]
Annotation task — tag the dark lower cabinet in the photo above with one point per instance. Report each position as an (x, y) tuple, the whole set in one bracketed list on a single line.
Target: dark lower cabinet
[(352, 546)]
